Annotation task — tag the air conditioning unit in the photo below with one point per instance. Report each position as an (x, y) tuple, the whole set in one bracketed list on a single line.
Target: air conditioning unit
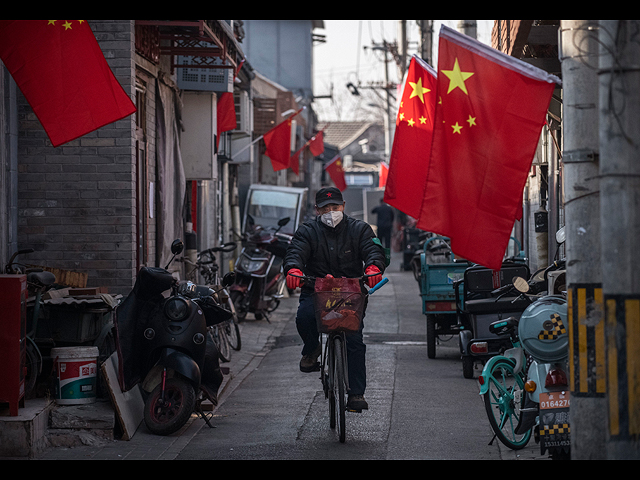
[(203, 79), (244, 113)]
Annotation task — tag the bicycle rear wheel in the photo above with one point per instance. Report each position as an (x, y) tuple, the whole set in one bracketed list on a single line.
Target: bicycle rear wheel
[(339, 390), (219, 335), (503, 402)]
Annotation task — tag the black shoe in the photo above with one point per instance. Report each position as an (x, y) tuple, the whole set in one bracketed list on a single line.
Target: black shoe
[(309, 363), (357, 403)]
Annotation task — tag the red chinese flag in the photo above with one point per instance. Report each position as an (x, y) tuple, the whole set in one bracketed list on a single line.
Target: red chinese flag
[(335, 171), (490, 112), (384, 175), (226, 114), (61, 71), (278, 142), (316, 144), (294, 163), (226, 110), (409, 158)]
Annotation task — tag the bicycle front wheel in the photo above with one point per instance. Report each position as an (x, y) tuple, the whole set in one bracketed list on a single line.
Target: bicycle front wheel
[(232, 329), (339, 387), (503, 402)]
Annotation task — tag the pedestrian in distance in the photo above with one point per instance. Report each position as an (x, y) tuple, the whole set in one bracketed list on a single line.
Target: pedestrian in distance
[(384, 223), (335, 244)]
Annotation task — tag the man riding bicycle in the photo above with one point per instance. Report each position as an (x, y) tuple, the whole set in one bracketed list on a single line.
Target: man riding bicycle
[(340, 246)]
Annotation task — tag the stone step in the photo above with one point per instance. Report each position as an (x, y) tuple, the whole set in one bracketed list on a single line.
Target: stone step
[(76, 425)]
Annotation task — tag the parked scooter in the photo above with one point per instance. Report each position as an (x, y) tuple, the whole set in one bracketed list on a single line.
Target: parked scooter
[(259, 280), (539, 398), (164, 345), (543, 334)]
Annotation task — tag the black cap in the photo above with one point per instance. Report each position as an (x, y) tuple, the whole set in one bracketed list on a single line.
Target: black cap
[(328, 195)]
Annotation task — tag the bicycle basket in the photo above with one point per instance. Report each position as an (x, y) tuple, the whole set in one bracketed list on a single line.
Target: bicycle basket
[(339, 304)]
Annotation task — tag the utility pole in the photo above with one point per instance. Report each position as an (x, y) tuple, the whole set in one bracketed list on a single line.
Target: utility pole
[(580, 158), (619, 119), (388, 121)]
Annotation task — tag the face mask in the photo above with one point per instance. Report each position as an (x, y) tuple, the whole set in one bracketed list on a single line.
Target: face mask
[(331, 219)]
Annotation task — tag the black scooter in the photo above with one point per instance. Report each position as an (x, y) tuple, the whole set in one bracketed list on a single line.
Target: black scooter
[(164, 346), (259, 280)]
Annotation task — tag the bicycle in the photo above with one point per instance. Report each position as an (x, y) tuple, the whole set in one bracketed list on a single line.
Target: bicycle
[(502, 388), (226, 335), (339, 306)]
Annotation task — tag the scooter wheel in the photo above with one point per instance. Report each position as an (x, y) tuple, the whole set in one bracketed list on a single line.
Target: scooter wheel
[(164, 417)]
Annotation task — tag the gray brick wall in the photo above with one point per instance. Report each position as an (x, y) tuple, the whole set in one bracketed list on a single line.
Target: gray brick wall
[(77, 202)]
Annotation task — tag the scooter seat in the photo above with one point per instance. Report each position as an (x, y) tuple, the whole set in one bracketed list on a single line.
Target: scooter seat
[(43, 279), (490, 305)]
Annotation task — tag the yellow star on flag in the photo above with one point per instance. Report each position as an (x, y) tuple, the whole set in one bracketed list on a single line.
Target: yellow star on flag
[(456, 128), (457, 78), (418, 90), (472, 121)]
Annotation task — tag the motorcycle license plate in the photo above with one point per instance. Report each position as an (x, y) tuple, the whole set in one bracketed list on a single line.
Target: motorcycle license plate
[(555, 430)]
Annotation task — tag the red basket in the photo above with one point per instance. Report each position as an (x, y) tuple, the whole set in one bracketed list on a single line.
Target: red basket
[(339, 304)]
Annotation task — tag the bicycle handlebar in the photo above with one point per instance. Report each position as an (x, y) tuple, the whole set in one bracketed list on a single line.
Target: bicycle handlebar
[(371, 291), (225, 248)]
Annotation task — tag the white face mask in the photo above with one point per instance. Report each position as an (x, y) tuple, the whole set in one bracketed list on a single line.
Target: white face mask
[(331, 219)]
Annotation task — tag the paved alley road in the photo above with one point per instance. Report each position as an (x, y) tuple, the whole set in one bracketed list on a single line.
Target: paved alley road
[(419, 408)]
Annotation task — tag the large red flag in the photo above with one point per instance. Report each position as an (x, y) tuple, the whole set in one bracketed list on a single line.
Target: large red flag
[(316, 144), (278, 142), (61, 71), (409, 158), (490, 111), (335, 171)]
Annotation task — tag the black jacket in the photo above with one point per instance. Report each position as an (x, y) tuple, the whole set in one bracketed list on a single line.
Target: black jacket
[(344, 251)]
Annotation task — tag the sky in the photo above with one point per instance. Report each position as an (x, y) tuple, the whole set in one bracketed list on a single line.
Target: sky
[(343, 59)]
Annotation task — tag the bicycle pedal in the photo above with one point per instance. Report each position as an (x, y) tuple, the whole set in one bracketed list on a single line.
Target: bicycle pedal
[(354, 411)]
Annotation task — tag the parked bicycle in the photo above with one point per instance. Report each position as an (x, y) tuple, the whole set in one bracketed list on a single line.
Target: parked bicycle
[(502, 387), (339, 305), (226, 335)]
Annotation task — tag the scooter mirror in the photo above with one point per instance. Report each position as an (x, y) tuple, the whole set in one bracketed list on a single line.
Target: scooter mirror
[(177, 246), (229, 279), (520, 284), (560, 236), (283, 221)]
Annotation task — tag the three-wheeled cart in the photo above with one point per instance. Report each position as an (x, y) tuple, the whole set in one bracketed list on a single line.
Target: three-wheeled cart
[(439, 271)]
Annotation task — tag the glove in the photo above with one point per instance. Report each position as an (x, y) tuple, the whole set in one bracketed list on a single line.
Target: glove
[(372, 281), (294, 282)]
